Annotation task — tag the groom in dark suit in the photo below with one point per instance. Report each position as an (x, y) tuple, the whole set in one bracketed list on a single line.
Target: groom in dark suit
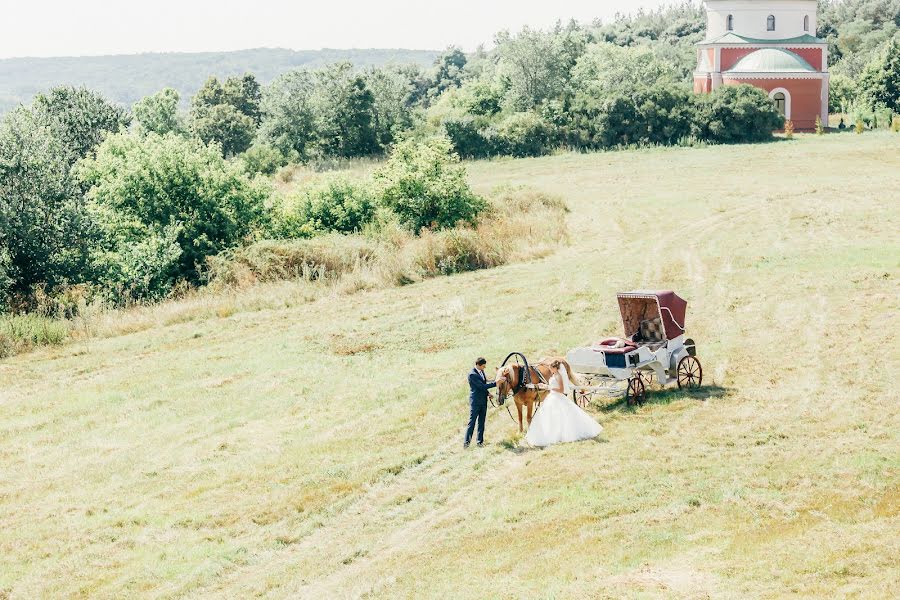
[(478, 398)]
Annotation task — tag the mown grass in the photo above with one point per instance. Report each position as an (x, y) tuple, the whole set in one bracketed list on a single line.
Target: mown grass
[(312, 449)]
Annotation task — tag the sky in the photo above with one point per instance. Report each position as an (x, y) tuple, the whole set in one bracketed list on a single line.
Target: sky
[(96, 27)]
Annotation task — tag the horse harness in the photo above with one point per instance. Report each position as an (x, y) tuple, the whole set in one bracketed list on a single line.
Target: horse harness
[(524, 381)]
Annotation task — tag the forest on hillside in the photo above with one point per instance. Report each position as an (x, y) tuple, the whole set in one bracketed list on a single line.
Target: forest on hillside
[(112, 204)]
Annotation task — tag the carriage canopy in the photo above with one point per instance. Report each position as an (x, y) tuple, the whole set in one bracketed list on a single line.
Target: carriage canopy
[(644, 305)]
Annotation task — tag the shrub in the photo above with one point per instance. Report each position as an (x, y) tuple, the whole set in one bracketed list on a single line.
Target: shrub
[(860, 126), (735, 114), (424, 184), (333, 204), (895, 124), (262, 159), (151, 192), (467, 134), (820, 129), (523, 134), (789, 129)]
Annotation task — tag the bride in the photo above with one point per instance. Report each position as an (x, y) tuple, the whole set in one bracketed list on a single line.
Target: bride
[(560, 419)]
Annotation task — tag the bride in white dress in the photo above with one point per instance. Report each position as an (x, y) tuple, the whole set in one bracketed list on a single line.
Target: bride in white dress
[(559, 419)]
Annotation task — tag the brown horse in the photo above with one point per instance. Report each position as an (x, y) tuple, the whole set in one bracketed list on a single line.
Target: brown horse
[(524, 396)]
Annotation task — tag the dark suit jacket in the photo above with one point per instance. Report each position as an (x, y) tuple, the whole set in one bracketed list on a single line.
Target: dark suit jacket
[(479, 386)]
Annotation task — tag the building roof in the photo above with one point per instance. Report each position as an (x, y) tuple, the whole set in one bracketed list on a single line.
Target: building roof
[(772, 60), (733, 38)]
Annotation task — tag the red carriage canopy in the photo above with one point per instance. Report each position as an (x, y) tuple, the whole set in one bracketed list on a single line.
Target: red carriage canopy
[(642, 305)]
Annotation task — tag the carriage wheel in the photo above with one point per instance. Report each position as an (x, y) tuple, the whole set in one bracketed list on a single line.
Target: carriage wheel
[(636, 392), (690, 373)]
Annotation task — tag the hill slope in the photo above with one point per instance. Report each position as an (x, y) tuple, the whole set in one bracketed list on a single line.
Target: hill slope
[(128, 78), (314, 450)]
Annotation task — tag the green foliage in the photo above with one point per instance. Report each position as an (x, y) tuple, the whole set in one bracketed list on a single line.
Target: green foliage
[(895, 123), (735, 114), (44, 230), (159, 113), (860, 126), (880, 81), (344, 107), (393, 96), (534, 66), (448, 71), (82, 117), (335, 204), (156, 192), (228, 113), (262, 159), (20, 333), (605, 70), (523, 134), (290, 114), (424, 184), (820, 128), (842, 91)]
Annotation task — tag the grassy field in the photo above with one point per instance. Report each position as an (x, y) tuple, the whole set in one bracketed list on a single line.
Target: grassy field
[(313, 449)]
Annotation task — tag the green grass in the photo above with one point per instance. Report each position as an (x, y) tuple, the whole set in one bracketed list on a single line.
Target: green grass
[(310, 446)]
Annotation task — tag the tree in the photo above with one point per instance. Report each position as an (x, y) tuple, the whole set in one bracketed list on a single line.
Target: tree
[(157, 191), (289, 122), (82, 117), (605, 70), (44, 231), (227, 113), (880, 81), (158, 113), (532, 66), (344, 112), (392, 92), (735, 114), (448, 71), (225, 126), (424, 184)]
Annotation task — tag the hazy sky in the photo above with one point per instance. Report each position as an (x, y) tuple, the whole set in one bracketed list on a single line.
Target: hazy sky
[(90, 27)]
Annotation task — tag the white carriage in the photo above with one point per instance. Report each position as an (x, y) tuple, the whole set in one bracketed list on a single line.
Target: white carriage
[(654, 345)]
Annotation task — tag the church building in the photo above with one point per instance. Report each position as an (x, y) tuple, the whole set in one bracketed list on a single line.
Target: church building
[(770, 44)]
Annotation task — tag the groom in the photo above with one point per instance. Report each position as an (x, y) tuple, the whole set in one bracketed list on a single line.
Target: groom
[(478, 398)]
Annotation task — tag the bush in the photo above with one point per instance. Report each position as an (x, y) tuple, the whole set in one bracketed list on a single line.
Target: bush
[(895, 124), (262, 159), (334, 204), (467, 134), (735, 114), (523, 134), (155, 192), (424, 184), (789, 129)]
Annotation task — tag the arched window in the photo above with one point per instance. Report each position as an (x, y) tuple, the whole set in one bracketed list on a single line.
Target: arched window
[(729, 23), (806, 23), (770, 23), (780, 102)]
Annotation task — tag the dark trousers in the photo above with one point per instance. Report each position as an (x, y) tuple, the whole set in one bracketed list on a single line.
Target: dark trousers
[(477, 412)]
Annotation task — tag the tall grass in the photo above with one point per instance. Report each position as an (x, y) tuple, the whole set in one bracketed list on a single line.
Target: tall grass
[(19, 333), (520, 224)]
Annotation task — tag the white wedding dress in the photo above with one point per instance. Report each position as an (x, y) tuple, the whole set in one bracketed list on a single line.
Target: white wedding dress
[(559, 419)]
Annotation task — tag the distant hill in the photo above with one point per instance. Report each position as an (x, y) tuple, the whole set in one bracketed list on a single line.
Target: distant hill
[(128, 78)]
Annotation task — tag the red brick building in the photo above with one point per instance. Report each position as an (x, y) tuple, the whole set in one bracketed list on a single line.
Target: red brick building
[(770, 44)]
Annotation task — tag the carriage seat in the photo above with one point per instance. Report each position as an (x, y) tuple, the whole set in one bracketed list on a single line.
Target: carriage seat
[(650, 334), (615, 346)]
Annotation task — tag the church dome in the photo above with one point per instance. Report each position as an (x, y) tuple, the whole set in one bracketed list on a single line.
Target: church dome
[(772, 60)]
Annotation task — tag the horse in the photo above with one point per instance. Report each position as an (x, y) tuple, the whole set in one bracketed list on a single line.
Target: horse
[(524, 396)]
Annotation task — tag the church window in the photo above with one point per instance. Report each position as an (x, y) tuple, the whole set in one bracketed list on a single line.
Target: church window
[(770, 23), (729, 23), (806, 23), (780, 102)]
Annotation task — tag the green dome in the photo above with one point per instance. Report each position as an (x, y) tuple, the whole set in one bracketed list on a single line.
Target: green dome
[(771, 60)]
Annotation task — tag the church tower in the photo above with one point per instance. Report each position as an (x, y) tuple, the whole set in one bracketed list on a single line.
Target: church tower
[(770, 44)]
